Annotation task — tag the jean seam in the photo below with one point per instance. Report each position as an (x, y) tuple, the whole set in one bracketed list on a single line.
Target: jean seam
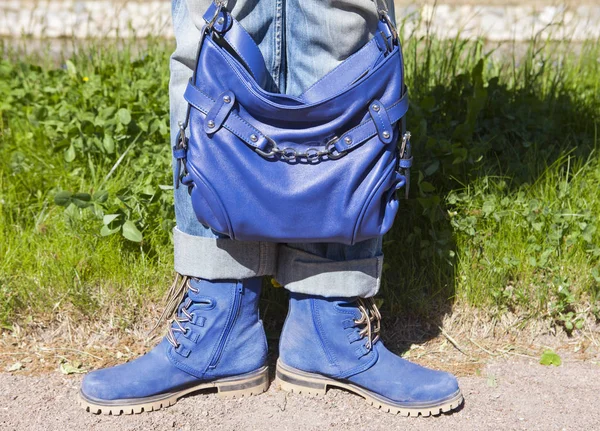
[(262, 261), (278, 42), (378, 271), (176, 11)]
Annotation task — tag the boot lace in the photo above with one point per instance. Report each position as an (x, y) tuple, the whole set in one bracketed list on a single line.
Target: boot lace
[(176, 294), (370, 321)]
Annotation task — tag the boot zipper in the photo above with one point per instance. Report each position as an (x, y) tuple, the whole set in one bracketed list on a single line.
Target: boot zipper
[(231, 322)]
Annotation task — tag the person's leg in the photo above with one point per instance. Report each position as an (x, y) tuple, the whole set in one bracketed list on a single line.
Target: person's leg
[(216, 339), (331, 334), (199, 252)]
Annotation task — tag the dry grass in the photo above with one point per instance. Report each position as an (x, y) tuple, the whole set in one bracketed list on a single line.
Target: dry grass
[(467, 339)]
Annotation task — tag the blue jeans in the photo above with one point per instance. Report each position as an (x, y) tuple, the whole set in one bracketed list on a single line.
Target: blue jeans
[(301, 40)]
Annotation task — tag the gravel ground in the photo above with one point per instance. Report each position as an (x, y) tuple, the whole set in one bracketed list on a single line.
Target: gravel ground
[(515, 394)]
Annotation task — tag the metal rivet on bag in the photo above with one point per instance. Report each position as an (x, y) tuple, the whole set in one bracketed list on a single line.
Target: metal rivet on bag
[(253, 138), (220, 21), (211, 124), (386, 134), (226, 99), (348, 140), (375, 107)]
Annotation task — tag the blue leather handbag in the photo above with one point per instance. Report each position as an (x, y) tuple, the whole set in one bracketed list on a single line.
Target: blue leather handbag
[(320, 167)]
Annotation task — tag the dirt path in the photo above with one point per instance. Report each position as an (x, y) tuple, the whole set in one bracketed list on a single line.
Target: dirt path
[(507, 395)]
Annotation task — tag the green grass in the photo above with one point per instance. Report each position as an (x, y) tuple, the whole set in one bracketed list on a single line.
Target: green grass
[(64, 129), (504, 205)]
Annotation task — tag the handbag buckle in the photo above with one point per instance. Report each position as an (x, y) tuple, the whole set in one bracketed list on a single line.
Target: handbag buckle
[(405, 142), (383, 13), (179, 153), (405, 161), (209, 24), (331, 149)]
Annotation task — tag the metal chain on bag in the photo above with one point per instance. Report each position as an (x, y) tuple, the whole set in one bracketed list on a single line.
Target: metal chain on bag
[(311, 155), (314, 155)]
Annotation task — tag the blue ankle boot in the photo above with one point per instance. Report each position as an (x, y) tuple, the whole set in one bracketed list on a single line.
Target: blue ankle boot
[(335, 342), (216, 340)]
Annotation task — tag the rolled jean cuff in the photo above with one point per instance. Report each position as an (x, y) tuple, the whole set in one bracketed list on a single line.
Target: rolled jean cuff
[(310, 274), (221, 258)]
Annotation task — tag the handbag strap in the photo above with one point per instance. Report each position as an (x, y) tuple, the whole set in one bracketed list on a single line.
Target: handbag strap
[(354, 67), (369, 128), (350, 70), (256, 139), (220, 20), (234, 123)]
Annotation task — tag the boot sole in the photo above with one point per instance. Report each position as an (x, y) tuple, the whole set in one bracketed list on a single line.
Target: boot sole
[(293, 380), (253, 383)]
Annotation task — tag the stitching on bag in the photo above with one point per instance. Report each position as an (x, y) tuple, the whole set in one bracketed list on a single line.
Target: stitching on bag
[(198, 108), (202, 93), (366, 123), (217, 199), (244, 59), (369, 199), (240, 134), (361, 125), (380, 119), (249, 125), (379, 116), (226, 124)]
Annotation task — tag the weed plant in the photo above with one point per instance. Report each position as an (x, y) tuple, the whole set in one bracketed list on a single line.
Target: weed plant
[(502, 214)]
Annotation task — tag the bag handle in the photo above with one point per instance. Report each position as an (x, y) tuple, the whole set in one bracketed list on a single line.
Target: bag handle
[(219, 20), (354, 67)]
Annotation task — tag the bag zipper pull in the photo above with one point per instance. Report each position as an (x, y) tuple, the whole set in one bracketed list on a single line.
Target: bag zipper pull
[(180, 152), (405, 161)]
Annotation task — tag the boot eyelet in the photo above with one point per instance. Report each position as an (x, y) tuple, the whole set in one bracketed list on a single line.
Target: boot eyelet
[(183, 351)]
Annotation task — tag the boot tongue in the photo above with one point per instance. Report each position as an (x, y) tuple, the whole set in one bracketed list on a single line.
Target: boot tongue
[(173, 300), (201, 292), (184, 292), (350, 305)]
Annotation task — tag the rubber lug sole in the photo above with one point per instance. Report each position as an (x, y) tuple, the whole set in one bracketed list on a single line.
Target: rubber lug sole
[(244, 385), (292, 380)]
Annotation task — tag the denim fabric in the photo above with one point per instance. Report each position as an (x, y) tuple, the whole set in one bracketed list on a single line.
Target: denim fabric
[(301, 40)]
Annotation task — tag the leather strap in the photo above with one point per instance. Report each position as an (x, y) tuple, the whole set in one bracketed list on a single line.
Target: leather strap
[(254, 138), (234, 123), (219, 112), (364, 131), (350, 70), (405, 163), (382, 121), (240, 41), (354, 67)]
